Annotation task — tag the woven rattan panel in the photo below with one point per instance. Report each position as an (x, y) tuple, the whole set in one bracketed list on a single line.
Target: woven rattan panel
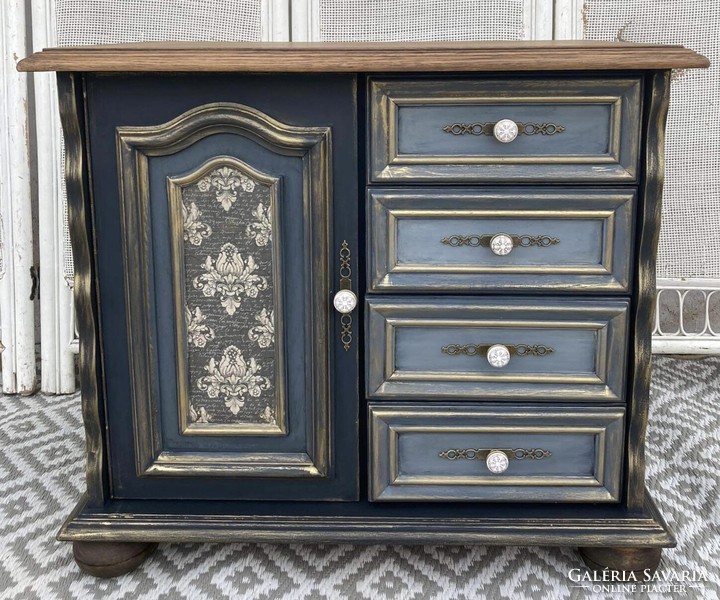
[(690, 237), (420, 20)]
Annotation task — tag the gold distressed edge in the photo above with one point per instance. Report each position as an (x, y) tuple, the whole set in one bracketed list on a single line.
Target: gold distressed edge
[(134, 202), (645, 528), (394, 283), (471, 376), (468, 269), (317, 203), (642, 317), (219, 117), (77, 165), (175, 187), (233, 429), (495, 481), (221, 464), (499, 160)]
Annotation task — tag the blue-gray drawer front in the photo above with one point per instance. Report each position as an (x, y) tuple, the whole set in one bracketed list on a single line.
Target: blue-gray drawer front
[(436, 453), (435, 348), (442, 129), (567, 240)]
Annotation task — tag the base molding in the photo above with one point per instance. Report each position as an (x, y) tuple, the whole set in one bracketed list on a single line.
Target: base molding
[(512, 525)]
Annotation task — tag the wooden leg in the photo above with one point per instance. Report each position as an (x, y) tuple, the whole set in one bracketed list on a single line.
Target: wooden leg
[(110, 559), (636, 559)]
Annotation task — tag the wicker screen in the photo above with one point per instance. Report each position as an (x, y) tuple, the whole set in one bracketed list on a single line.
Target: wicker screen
[(420, 20), (690, 237), (82, 22)]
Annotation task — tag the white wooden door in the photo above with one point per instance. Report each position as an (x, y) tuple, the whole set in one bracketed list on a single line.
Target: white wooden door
[(17, 319)]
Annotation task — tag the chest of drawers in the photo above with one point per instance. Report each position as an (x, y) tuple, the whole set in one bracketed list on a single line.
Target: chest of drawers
[(365, 293)]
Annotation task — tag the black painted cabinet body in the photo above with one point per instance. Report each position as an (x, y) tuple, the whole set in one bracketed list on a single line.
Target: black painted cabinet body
[(490, 384)]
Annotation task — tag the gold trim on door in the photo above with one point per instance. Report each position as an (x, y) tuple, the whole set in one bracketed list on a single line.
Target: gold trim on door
[(136, 145)]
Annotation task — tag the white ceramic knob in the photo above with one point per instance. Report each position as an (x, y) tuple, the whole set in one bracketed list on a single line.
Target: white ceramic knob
[(498, 356), (345, 301), (501, 244), (505, 131), (497, 461)]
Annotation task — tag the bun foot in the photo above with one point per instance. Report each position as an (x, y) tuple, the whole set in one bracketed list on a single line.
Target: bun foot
[(110, 559), (635, 560)]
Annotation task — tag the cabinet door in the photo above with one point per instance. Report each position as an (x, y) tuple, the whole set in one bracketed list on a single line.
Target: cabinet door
[(225, 209)]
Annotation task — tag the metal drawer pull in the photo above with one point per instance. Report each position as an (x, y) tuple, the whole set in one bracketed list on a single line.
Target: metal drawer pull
[(505, 130), (498, 355), (501, 244), (497, 460), (345, 299)]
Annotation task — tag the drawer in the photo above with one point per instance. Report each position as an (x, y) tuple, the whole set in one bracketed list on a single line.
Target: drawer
[(423, 452), (553, 239), (567, 129), (543, 348)]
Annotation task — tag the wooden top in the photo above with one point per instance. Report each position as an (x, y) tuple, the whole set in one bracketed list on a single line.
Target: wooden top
[(364, 57)]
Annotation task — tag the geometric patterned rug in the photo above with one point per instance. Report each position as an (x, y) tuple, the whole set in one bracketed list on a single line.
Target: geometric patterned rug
[(41, 464)]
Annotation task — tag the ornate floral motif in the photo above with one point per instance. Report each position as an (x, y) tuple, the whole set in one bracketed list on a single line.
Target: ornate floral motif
[(200, 415), (230, 277), (264, 333), (226, 181), (229, 300), (261, 229), (194, 230), (233, 379), (199, 333), (268, 416)]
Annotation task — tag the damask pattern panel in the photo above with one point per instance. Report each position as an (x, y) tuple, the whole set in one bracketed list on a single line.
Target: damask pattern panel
[(225, 228)]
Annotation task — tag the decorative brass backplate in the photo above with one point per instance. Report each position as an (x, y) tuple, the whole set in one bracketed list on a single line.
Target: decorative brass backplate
[(482, 453), (484, 239), (478, 128), (481, 349), (346, 335)]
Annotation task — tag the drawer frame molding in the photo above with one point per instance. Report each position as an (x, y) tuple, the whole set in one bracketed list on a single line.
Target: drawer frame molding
[(387, 208), (386, 314), (390, 481), (389, 96)]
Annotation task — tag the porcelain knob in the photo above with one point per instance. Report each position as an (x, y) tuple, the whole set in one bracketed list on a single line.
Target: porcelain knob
[(345, 301), (498, 356), (505, 131), (497, 461)]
